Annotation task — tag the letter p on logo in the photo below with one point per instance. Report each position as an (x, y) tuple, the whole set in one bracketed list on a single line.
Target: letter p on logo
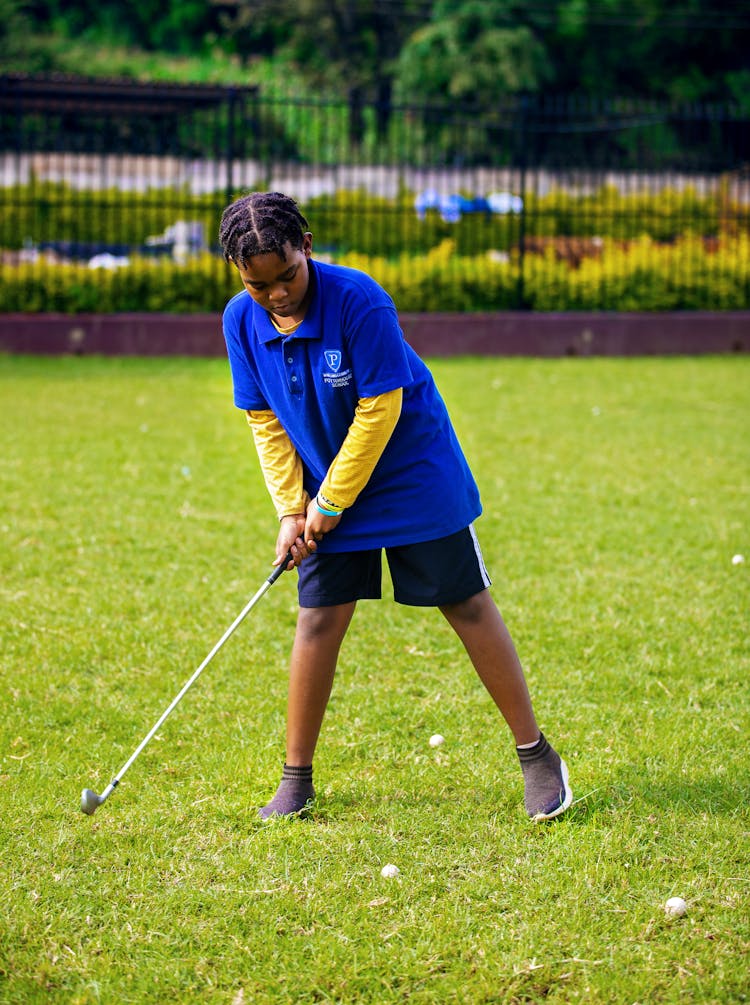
[(333, 359)]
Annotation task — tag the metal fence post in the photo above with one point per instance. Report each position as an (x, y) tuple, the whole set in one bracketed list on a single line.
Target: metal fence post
[(231, 111), (523, 108)]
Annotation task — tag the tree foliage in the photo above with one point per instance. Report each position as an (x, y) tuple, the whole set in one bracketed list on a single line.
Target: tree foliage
[(349, 47), (690, 51), (468, 50), (14, 27), (480, 49), (173, 26), (472, 52)]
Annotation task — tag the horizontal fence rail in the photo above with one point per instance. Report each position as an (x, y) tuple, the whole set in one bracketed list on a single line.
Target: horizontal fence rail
[(111, 194)]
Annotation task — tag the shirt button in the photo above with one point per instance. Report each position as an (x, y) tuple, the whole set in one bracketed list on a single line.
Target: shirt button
[(290, 359), (293, 379)]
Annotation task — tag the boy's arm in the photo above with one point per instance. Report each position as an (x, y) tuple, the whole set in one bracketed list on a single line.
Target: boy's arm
[(374, 421), (280, 463)]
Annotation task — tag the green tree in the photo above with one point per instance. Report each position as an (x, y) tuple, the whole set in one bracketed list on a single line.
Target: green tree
[(347, 47), (464, 50), (14, 27), (479, 49), (691, 51), (474, 51), (175, 26)]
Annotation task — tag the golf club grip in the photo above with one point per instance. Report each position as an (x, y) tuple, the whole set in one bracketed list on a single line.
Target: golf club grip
[(280, 568)]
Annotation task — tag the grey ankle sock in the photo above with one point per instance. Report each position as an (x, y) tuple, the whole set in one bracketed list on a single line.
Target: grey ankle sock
[(545, 776), (295, 791)]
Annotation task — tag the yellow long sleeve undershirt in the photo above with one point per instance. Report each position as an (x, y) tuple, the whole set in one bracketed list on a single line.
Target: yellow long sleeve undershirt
[(279, 462), (373, 423)]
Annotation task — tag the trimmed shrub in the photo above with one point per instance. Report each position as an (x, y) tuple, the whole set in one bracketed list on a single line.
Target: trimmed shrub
[(360, 222), (640, 275), (637, 275)]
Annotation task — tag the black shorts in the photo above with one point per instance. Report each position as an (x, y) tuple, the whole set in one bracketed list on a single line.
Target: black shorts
[(429, 574)]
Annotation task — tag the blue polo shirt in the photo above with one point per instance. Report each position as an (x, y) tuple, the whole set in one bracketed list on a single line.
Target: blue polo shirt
[(350, 346)]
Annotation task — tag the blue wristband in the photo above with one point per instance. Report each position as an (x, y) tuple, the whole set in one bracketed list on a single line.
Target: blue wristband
[(327, 512)]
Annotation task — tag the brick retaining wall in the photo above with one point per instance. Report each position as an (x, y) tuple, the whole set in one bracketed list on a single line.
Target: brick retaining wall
[(497, 334)]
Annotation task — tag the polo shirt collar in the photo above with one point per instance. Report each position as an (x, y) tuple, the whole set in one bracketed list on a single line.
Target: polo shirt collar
[(309, 329)]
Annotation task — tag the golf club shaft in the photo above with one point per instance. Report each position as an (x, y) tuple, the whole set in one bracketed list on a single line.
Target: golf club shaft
[(178, 698)]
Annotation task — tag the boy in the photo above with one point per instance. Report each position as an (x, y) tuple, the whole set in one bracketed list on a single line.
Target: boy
[(358, 454)]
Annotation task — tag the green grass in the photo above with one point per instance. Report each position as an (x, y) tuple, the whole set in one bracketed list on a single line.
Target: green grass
[(134, 526)]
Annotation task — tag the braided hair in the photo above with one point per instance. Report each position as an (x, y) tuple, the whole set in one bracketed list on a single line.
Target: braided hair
[(259, 223)]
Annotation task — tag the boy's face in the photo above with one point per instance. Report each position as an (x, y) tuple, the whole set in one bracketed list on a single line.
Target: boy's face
[(280, 286)]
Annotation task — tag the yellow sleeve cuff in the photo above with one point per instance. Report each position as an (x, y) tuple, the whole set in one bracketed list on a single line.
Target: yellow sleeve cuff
[(279, 462), (371, 429)]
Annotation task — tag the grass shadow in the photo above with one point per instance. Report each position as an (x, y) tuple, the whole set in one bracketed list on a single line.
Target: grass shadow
[(711, 793)]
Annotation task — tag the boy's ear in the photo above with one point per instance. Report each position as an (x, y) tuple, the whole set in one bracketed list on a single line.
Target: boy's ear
[(307, 243)]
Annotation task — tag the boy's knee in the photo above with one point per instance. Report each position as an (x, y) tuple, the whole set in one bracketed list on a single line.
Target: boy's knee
[(470, 611), (320, 622)]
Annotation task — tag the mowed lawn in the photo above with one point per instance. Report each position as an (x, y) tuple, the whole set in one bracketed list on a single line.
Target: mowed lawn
[(134, 526)]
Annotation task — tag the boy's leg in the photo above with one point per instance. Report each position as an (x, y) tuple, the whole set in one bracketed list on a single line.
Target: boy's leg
[(479, 625), (317, 640)]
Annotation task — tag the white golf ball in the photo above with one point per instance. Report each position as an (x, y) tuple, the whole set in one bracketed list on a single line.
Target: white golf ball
[(436, 740), (389, 871), (738, 559), (675, 907)]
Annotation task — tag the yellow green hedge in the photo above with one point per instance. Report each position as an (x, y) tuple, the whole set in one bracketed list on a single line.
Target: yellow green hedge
[(635, 276), (357, 221), (642, 275)]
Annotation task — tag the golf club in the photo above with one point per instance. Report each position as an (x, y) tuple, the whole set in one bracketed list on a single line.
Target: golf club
[(90, 800)]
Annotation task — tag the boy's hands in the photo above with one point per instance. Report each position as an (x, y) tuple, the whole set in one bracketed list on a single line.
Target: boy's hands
[(318, 524), (291, 540), (299, 534)]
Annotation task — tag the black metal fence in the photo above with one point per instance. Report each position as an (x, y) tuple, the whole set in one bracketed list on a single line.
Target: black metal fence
[(110, 196)]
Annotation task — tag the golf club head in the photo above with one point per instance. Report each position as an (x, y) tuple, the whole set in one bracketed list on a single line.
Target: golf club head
[(89, 801)]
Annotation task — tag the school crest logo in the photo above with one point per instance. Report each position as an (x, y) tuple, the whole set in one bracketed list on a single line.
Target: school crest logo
[(334, 376), (333, 359)]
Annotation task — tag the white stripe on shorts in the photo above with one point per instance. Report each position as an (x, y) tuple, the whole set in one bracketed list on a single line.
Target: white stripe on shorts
[(478, 553)]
